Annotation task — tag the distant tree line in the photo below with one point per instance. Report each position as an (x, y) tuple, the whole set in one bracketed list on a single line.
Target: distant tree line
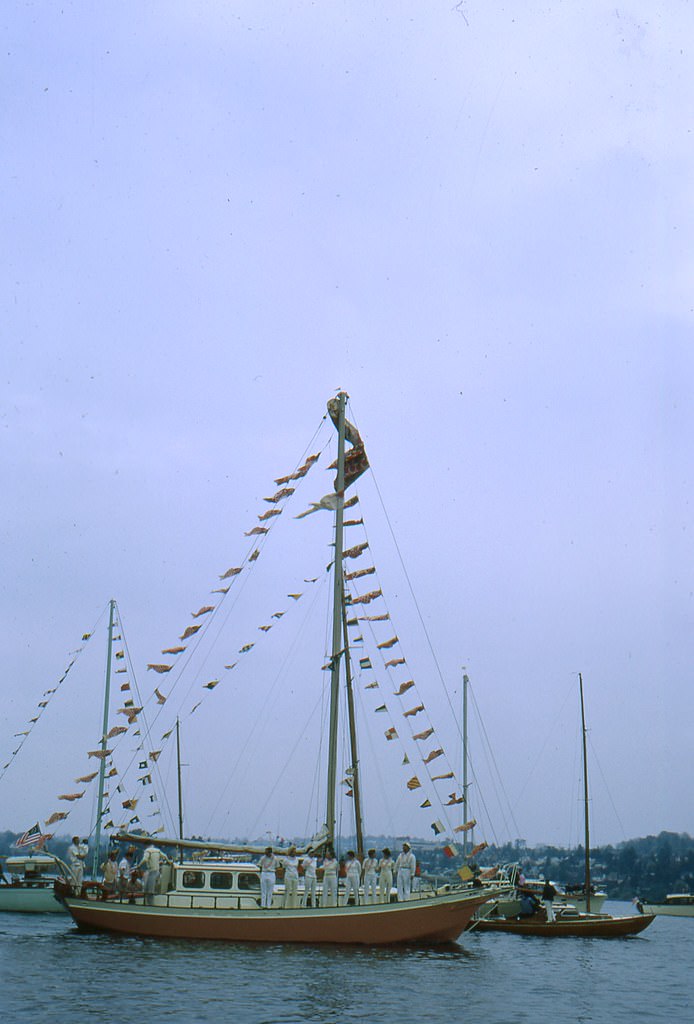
[(649, 867)]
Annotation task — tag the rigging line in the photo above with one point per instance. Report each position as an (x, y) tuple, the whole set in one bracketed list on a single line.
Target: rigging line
[(71, 663), (548, 733), (236, 593), (291, 754), (607, 788), (490, 753), (416, 603), (279, 675)]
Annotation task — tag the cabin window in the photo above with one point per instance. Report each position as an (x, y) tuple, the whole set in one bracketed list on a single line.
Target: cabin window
[(193, 879), (248, 881), (221, 879)]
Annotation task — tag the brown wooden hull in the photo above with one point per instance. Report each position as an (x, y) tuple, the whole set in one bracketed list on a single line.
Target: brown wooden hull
[(598, 927), (428, 921)]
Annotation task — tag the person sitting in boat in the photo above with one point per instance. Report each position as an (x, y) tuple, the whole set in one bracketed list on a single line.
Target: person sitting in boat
[(291, 878), (548, 894), (76, 856), (268, 874), (405, 867), (352, 878), (330, 869), (529, 903)]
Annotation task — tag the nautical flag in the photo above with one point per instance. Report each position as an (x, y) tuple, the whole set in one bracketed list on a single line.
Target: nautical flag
[(56, 816), (354, 552), (154, 754), (365, 663), (252, 557), (387, 643), (115, 731), (285, 492), (371, 686), (446, 775), (427, 803), (413, 711), (86, 636), (466, 826), (71, 796), (414, 783), (465, 873), (130, 804), (358, 573), (161, 699), (395, 661), (453, 799), (438, 827), (391, 734), (451, 850), (120, 654), (478, 849), (405, 759), (382, 708), (188, 631), (101, 755), (404, 687), (211, 685), (87, 778), (161, 668), (230, 572), (142, 764), (367, 598), (246, 648), (423, 735), (270, 513), (433, 755), (173, 650), (257, 531)]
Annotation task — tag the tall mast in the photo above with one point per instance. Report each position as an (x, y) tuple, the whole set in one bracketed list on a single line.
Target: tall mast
[(180, 791), (104, 730), (585, 793), (356, 785), (465, 808), (338, 588)]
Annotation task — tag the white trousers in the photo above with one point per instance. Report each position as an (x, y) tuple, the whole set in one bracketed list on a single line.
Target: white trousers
[(549, 909), (385, 884), (370, 887), (352, 889), (267, 887), (404, 883), (310, 889), (329, 896), (291, 890)]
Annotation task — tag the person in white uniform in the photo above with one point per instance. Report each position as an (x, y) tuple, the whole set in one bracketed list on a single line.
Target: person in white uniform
[(330, 868), (76, 856), (268, 871), (353, 869), (309, 864), (385, 875), (370, 877), (405, 868), (150, 865), (291, 878)]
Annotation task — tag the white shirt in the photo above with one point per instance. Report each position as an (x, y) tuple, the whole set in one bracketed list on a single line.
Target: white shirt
[(406, 862), (76, 852), (268, 862), (353, 868), (370, 866), (309, 867), (291, 867), (151, 859)]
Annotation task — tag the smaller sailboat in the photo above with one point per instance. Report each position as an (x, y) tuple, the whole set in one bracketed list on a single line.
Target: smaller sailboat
[(566, 921)]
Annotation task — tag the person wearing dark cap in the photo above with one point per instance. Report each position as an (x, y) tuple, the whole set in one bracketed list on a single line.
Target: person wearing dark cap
[(370, 868), (405, 867), (385, 875)]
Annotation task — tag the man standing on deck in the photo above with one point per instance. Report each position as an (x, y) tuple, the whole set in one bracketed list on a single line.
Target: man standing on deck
[(151, 866), (370, 877), (268, 869), (353, 868), (76, 856), (405, 867)]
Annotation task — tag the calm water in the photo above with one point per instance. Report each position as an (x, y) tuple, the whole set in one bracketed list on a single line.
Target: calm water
[(51, 972)]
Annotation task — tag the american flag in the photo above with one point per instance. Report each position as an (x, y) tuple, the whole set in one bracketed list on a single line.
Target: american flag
[(32, 837)]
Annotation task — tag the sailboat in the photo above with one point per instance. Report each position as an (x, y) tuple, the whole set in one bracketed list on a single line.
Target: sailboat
[(28, 879), (568, 922), (206, 892)]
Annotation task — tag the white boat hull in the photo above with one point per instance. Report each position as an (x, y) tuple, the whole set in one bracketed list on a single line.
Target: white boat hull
[(20, 899)]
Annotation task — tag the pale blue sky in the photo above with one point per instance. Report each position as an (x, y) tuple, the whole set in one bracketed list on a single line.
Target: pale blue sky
[(478, 220)]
